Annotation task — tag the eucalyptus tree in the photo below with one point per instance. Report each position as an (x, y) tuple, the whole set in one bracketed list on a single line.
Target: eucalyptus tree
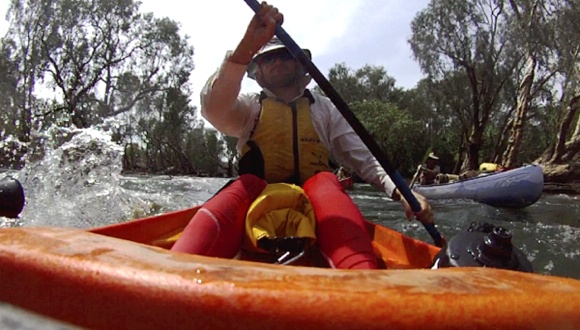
[(401, 121), (9, 98), (394, 131), (452, 36), (215, 150), (529, 29), (230, 153), (383, 109), (10, 148), (345, 82), (447, 118), (26, 24), (364, 84), (103, 56), (208, 149), (566, 43), (165, 124)]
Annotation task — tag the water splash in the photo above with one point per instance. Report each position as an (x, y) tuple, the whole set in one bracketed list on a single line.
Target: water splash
[(75, 182), (74, 179)]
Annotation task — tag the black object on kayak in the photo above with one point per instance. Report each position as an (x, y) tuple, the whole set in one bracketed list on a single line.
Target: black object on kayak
[(483, 245), (11, 197)]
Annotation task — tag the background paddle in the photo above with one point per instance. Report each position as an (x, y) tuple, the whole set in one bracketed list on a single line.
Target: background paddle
[(341, 105), (420, 168)]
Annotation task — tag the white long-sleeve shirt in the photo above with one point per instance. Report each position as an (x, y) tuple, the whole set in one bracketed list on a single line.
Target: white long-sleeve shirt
[(234, 114)]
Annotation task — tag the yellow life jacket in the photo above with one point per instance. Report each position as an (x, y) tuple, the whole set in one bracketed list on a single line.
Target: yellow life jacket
[(284, 145), (281, 210)]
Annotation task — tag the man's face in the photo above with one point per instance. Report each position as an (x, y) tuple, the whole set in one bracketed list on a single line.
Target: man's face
[(278, 69), (430, 163)]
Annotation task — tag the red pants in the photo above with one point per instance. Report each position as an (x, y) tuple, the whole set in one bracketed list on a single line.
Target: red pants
[(218, 227)]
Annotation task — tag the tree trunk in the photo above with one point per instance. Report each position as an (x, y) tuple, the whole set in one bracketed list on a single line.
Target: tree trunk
[(560, 148), (460, 155), (510, 156), (500, 142), (574, 104), (473, 147)]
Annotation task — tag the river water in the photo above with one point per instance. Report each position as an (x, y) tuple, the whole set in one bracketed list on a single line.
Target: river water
[(548, 232), (79, 185)]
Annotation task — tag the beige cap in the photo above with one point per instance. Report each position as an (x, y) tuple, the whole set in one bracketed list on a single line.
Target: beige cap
[(432, 156), (272, 45)]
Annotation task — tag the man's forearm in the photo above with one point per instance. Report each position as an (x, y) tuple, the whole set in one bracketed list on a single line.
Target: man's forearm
[(219, 96), (243, 54)]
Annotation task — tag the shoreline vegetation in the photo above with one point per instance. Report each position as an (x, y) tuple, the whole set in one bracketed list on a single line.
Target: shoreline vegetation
[(562, 179), (569, 188)]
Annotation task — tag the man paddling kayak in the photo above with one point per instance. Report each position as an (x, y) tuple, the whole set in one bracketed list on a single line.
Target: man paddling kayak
[(285, 134)]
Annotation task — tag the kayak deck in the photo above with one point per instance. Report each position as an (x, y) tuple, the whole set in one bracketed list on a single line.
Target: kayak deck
[(101, 282), (394, 250)]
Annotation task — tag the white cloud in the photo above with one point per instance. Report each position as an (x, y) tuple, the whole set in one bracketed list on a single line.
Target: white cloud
[(356, 32)]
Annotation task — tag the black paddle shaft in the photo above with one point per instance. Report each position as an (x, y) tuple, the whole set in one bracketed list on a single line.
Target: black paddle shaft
[(341, 105)]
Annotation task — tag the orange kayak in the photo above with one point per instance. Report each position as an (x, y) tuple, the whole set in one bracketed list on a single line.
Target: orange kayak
[(123, 277)]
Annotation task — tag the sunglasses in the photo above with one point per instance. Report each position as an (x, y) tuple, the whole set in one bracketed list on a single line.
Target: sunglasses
[(270, 58)]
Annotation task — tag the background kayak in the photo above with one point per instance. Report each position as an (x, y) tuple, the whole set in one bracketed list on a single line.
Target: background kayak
[(517, 188)]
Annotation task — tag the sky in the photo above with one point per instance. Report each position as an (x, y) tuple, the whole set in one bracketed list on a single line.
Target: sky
[(354, 32)]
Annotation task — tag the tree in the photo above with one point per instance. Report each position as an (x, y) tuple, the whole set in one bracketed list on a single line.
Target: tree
[(448, 117), (454, 35), (27, 23), (529, 30), (102, 59), (231, 154), (566, 42), (165, 127), (365, 84), (387, 124), (8, 91), (102, 56)]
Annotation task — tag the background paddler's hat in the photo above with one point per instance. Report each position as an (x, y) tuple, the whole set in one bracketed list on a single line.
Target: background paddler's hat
[(273, 45), (432, 156)]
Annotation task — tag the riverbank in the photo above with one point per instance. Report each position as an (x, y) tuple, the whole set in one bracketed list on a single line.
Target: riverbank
[(562, 178), (569, 188), (562, 188)]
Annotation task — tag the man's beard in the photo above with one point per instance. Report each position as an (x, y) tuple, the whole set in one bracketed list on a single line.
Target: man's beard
[(284, 80)]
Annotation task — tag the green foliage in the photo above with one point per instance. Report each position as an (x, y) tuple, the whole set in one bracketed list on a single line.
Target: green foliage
[(365, 84), (106, 59), (231, 154), (393, 130)]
